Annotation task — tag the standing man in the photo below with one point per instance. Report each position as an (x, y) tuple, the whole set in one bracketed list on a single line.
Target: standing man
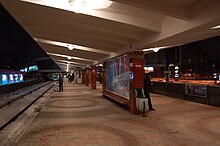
[(60, 82), (147, 89)]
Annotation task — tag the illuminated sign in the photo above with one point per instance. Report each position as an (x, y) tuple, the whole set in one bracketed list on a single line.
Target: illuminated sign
[(176, 72), (118, 76)]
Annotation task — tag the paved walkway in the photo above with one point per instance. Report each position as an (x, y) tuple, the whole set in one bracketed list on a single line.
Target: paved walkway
[(82, 117)]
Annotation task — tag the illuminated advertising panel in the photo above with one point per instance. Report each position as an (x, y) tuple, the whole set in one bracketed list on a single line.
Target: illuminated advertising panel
[(16, 79), (4, 79), (11, 79), (118, 77), (196, 90), (20, 76), (33, 68)]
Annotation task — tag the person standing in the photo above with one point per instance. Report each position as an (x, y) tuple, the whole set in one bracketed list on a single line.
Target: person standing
[(70, 79), (147, 89), (60, 82)]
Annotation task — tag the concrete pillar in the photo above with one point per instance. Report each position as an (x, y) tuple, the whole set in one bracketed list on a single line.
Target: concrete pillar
[(76, 76), (83, 76), (137, 69), (93, 77), (104, 78), (80, 73), (87, 76)]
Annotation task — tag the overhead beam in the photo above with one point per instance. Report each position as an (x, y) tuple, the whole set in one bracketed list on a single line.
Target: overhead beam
[(147, 24), (79, 53), (55, 17), (72, 60), (80, 34), (135, 21), (69, 64), (175, 28), (63, 45), (91, 43), (161, 6), (128, 34)]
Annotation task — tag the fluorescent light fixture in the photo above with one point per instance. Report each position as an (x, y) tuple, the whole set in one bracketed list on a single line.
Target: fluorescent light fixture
[(155, 49), (78, 6), (216, 27), (70, 62), (70, 47), (70, 65)]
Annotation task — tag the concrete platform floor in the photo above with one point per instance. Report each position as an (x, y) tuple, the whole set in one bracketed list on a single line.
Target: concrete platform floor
[(82, 117)]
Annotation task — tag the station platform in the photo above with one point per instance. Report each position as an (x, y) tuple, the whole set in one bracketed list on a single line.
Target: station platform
[(80, 116)]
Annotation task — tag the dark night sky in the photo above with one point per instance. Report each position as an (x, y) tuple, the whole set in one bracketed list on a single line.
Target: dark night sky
[(209, 49), (202, 57), (210, 46), (17, 48)]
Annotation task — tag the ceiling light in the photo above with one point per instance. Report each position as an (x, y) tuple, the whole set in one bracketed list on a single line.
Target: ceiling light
[(216, 27), (80, 6), (70, 57), (70, 47), (156, 49)]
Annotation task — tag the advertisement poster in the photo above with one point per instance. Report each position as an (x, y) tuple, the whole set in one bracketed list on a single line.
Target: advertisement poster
[(4, 79), (196, 90), (10, 79), (118, 79)]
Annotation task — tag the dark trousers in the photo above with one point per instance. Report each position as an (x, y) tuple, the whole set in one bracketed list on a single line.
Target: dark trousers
[(147, 94), (60, 87)]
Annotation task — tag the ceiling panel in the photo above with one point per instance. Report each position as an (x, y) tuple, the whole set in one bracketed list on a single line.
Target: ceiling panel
[(125, 26)]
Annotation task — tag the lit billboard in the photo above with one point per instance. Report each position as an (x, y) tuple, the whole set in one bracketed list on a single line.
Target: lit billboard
[(6, 78), (196, 90), (117, 76)]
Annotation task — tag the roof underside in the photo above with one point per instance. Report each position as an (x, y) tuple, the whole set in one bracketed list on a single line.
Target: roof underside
[(125, 26)]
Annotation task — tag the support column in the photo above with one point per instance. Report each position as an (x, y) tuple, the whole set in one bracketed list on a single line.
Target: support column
[(93, 77), (104, 77), (76, 76), (87, 76), (83, 76), (137, 69), (80, 77)]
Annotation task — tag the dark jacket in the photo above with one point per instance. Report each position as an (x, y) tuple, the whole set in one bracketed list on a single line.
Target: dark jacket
[(147, 83), (60, 79)]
